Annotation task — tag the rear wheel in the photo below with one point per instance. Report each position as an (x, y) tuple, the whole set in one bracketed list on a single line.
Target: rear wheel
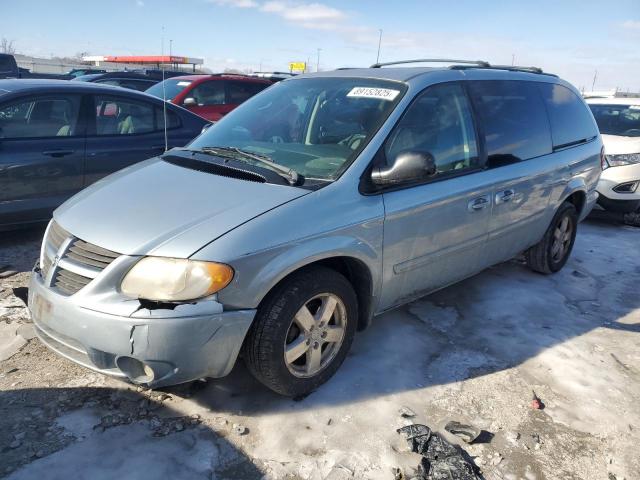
[(302, 331), (552, 252)]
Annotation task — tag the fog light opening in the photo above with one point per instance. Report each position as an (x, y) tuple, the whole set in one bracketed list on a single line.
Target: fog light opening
[(629, 187), (135, 370)]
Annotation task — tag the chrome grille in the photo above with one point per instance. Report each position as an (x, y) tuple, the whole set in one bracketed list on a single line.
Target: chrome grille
[(45, 265), (56, 235), (89, 254), (80, 261), (69, 282)]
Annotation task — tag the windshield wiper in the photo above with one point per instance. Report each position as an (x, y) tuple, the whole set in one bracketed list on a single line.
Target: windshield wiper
[(293, 177)]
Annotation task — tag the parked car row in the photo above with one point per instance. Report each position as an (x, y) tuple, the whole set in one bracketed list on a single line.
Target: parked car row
[(139, 80), (315, 205), (210, 96), (57, 137)]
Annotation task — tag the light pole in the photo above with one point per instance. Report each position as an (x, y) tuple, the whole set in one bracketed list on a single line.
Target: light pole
[(379, 43), (318, 61)]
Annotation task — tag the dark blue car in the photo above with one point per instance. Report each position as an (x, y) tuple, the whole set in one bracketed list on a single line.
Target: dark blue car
[(57, 137)]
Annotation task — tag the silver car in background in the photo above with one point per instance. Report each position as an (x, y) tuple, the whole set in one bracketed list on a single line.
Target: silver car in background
[(321, 202)]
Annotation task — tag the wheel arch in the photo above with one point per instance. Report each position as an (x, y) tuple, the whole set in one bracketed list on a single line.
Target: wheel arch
[(357, 266), (576, 194)]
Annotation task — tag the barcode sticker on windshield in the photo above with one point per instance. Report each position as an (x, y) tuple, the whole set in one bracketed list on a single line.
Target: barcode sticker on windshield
[(370, 92)]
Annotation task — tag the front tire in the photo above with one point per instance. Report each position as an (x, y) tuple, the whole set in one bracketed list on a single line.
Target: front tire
[(302, 331), (551, 253)]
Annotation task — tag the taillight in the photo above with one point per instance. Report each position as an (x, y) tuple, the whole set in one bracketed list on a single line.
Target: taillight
[(603, 159)]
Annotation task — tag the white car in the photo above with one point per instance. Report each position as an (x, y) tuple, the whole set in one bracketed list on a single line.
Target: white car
[(619, 123)]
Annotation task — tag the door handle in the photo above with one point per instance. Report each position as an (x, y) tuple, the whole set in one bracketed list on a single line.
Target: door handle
[(505, 196), (157, 147), (478, 203), (57, 153)]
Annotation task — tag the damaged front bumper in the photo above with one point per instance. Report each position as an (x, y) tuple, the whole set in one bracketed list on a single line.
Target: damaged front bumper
[(154, 347)]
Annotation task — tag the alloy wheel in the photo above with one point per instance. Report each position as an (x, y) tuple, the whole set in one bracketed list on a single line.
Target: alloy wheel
[(315, 335), (561, 239)]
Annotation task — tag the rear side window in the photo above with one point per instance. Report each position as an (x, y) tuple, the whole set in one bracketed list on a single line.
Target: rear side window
[(208, 93), (49, 116), (6, 64), (173, 120), (120, 116), (571, 121), (514, 120), (241, 91)]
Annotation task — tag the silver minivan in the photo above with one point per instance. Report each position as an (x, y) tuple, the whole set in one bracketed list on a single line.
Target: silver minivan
[(320, 203)]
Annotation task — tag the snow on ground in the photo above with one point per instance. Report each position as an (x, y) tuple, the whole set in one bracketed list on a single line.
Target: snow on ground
[(473, 352)]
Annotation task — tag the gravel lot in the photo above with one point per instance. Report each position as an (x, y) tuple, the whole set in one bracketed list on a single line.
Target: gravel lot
[(473, 353)]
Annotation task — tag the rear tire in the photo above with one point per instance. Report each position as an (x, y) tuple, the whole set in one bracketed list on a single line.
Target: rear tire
[(551, 253), (293, 348)]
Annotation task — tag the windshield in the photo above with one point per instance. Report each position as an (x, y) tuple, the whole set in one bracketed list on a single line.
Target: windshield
[(314, 126), (623, 120), (172, 88)]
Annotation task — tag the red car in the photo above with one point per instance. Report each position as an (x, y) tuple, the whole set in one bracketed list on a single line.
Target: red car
[(210, 96)]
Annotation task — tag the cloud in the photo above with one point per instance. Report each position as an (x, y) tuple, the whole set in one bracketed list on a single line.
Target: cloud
[(235, 3), (310, 12), (631, 24), (139, 3), (315, 16)]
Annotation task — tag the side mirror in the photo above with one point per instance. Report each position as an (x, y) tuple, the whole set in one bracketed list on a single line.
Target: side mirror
[(406, 167), (190, 102)]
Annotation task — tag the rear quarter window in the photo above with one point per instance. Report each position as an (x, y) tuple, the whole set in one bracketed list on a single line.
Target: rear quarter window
[(513, 119), (173, 120), (570, 119)]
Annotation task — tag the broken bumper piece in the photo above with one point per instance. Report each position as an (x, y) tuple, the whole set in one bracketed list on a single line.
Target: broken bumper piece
[(153, 347)]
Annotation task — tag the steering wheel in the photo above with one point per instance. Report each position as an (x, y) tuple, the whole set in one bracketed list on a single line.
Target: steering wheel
[(276, 139)]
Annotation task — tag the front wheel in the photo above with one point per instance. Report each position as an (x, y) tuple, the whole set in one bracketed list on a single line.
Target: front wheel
[(551, 253), (302, 331)]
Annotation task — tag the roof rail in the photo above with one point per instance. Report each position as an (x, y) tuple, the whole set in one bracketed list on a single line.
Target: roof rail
[(478, 63), (464, 64), (510, 68)]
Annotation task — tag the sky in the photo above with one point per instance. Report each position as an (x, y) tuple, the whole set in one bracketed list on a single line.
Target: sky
[(571, 38)]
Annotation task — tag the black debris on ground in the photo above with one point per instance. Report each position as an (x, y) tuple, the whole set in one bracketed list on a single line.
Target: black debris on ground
[(441, 460)]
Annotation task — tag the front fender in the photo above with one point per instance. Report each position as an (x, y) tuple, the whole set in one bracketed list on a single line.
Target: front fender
[(258, 273)]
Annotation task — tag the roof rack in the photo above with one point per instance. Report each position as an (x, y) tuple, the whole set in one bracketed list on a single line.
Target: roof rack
[(465, 64), (510, 68), (479, 63)]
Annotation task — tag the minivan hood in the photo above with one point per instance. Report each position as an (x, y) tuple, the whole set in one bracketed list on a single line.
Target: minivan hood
[(618, 145), (157, 208)]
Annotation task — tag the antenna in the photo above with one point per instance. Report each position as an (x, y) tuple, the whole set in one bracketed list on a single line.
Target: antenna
[(164, 95)]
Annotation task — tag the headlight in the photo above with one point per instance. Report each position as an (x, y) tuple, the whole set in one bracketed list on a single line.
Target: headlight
[(623, 159), (175, 279)]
